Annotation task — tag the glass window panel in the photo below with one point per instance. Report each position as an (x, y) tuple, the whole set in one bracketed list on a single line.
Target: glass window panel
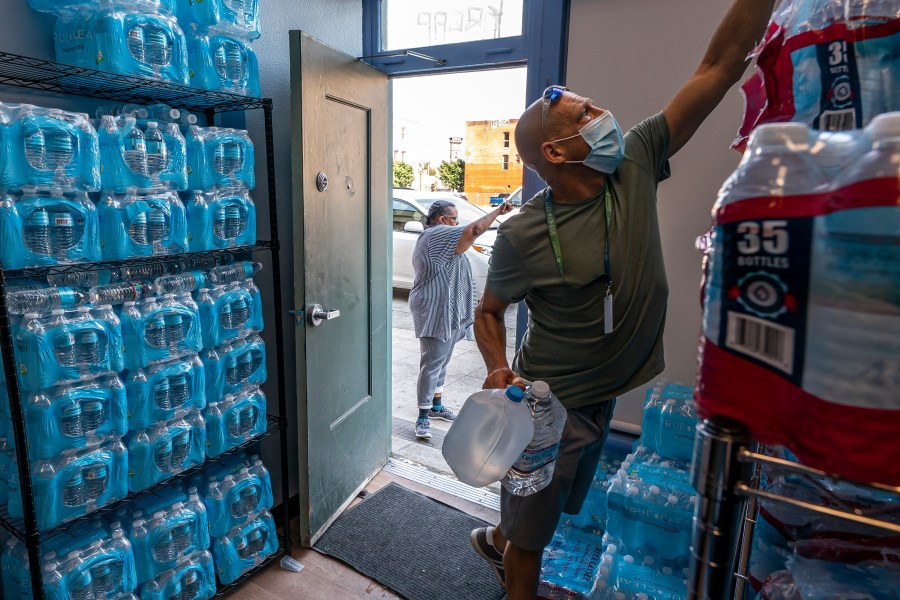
[(418, 23)]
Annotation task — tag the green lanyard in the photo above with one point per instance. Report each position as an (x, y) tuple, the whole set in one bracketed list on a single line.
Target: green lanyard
[(554, 242)]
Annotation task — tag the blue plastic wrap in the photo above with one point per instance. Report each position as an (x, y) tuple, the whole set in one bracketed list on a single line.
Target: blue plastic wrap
[(244, 547), (75, 483), (142, 224), (219, 157), (571, 566), (223, 63), (160, 330), (234, 365), (48, 147), (15, 571), (194, 578), (234, 420), (221, 220), (229, 312), (164, 450), (68, 346), (176, 173), (45, 229), (104, 568), (7, 462), (157, 393), (236, 496), (235, 17), (61, 7), (70, 416), (123, 155), (147, 45), (167, 537)]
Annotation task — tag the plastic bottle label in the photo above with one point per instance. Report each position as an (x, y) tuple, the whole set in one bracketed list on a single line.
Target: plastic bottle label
[(532, 460)]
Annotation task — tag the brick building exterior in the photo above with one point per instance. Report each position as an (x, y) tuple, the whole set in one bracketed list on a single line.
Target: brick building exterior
[(493, 166)]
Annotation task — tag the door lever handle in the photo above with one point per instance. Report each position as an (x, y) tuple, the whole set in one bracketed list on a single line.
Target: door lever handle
[(316, 314)]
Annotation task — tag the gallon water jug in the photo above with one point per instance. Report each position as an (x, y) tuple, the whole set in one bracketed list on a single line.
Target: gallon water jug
[(489, 434)]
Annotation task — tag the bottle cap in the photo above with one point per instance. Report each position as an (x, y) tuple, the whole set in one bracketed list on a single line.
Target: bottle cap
[(654, 489), (540, 389), (885, 126), (152, 124), (515, 393), (673, 499), (793, 136)]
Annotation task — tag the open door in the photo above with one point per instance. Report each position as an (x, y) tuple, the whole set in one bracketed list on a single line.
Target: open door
[(339, 145)]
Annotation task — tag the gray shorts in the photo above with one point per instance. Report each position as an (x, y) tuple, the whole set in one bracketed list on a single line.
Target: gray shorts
[(529, 521)]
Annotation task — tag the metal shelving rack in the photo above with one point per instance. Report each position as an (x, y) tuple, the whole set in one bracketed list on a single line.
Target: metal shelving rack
[(725, 474), (50, 77)]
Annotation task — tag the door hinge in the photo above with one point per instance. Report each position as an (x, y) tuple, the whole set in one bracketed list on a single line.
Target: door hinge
[(299, 315)]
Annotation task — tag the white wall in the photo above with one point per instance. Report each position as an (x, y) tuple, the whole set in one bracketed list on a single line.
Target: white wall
[(631, 57)]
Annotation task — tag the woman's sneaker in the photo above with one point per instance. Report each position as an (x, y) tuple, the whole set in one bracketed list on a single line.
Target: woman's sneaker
[(488, 552), (423, 429), (443, 414)]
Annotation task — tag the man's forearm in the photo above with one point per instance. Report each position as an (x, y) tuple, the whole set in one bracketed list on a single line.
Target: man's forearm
[(740, 30), (490, 335)]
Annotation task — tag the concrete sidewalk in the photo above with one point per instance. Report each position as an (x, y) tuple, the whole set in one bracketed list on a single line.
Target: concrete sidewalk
[(465, 376)]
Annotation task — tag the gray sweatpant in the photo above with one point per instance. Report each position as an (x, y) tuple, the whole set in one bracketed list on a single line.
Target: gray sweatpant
[(433, 365)]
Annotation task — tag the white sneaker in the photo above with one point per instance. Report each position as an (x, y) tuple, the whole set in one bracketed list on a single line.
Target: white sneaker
[(423, 429)]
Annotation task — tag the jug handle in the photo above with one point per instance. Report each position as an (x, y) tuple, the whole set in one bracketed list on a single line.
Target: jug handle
[(522, 381)]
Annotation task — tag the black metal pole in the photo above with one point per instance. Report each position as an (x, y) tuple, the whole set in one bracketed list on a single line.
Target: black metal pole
[(279, 324), (717, 517), (17, 415)]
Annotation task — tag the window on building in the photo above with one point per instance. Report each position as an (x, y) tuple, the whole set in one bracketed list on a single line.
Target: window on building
[(506, 139), (506, 162)]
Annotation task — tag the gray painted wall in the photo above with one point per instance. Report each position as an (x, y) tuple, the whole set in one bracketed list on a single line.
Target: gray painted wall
[(335, 22), (631, 58)]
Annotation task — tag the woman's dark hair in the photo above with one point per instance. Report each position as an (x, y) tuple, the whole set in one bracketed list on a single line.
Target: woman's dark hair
[(438, 209)]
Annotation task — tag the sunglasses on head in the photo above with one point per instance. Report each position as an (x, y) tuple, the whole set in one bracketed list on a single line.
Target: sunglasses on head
[(551, 95)]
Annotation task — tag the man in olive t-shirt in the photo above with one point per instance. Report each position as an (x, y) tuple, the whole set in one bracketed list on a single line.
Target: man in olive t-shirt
[(586, 257)]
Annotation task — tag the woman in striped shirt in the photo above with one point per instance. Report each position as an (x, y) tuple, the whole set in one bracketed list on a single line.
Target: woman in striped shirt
[(442, 300)]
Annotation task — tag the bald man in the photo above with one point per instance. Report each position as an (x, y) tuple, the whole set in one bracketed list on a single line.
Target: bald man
[(585, 255)]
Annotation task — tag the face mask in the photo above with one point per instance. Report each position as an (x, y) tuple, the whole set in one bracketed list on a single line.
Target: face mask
[(604, 137)]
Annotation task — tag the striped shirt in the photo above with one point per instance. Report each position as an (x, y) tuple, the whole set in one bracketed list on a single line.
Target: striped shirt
[(443, 292)]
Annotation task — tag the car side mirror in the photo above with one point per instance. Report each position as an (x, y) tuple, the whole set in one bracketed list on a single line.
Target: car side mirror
[(413, 227)]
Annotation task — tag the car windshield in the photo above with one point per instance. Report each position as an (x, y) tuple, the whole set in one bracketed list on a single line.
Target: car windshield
[(467, 212)]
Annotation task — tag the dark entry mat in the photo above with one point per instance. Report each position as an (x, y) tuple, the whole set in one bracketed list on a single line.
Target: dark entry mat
[(412, 544)]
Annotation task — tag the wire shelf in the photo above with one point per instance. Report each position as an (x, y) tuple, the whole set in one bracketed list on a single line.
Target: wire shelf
[(223, 590), (170, 261), (47, 76), (16, 526)]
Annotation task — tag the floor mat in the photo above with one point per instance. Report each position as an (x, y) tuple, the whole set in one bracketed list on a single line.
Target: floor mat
[(412, 544)]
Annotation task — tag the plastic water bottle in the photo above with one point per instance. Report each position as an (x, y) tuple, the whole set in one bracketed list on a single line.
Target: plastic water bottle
[(249, 500), (236, 272), (187, 119), (229, 61), (256, 360), (37, 232), (240, 313), (155, 333), (225, 317), (35, 145), (70, 420), (174, 324), (157, 152), (101, 577), (118, 293), (157, 52), (135, 43), (532, 471), (80, 586), (93, 415), (156, 227), (87, 348), (162, 457), (489, 434), (181, 446), (65, 349), (180, 284), (256, 541), (244, 367), (220, 223), (116, 565), (163, 113), (44, 300), (58, 147), (241, 548), (181, 535), (178, 390), (135, 153), (247, 418), (232, 420), (162, 549), (63, 236), (231, 371), (162, 394), (232, 157), (137, 230), (73, 491), (232, 221), (190, 584), (96, 478)]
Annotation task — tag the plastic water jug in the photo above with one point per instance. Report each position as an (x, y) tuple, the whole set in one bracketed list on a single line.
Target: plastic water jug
[(489, 434)]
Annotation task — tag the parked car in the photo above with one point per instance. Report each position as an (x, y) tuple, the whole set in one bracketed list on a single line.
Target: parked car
[(410, 209)]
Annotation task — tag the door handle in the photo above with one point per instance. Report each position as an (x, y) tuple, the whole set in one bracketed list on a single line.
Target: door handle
[(316, 314)]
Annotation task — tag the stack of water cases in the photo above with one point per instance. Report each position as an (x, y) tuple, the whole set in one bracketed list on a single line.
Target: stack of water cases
[(219, 33), (631, 539), (131, 37)]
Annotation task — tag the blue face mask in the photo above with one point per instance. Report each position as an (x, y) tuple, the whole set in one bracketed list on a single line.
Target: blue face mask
[(604, 137)]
